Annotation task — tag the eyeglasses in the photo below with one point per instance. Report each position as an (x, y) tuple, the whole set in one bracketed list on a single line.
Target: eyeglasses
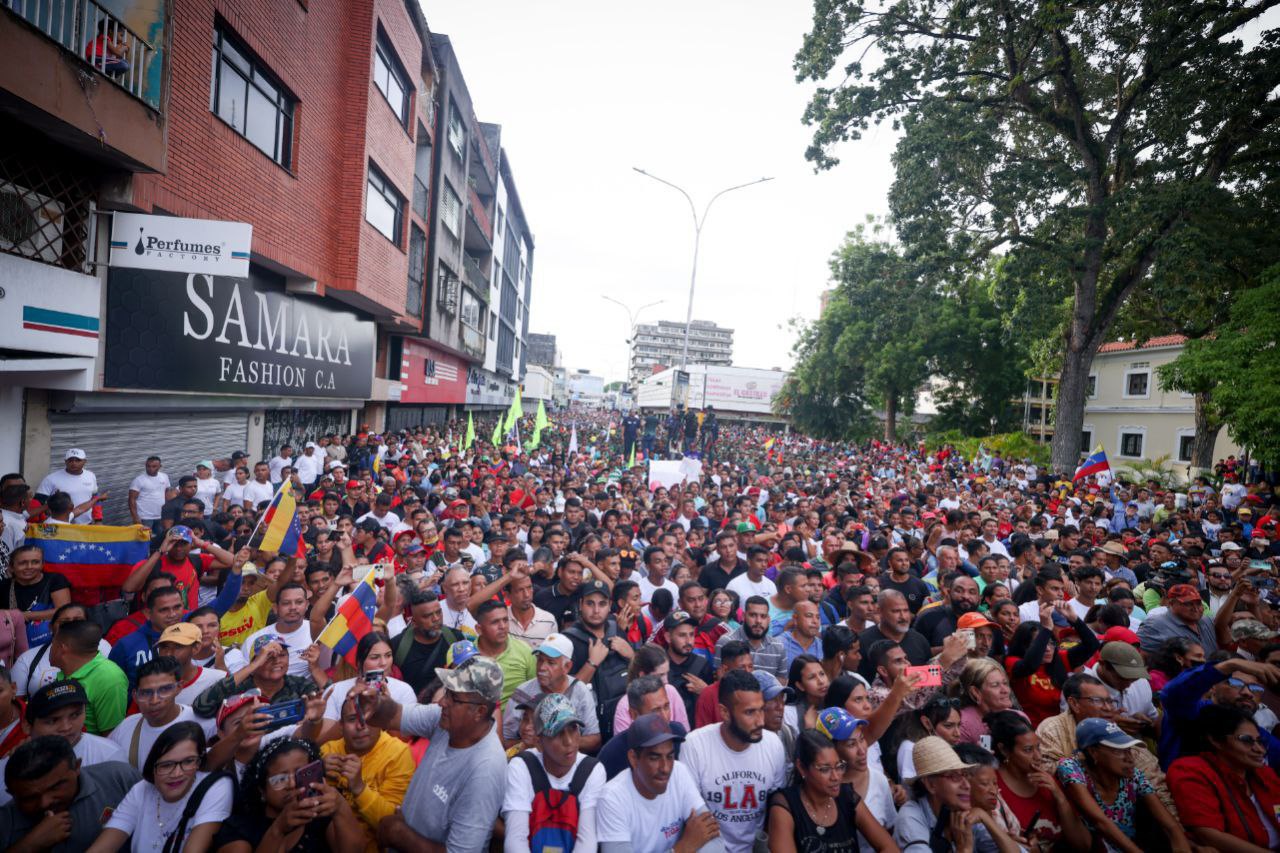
[(1100, 702), (1250, 741), (157, 692), (279, 780), (827, 769), (164, 768), (954, 776), (1253, 688)]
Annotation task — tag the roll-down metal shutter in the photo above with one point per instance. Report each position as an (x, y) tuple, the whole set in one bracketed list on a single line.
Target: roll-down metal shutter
[(118, 446)]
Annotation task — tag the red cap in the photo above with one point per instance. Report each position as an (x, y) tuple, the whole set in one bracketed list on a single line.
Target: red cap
[(352, 485), (235, 703), (1124, 635), (402, 534), (1184, 592), (974, 619)]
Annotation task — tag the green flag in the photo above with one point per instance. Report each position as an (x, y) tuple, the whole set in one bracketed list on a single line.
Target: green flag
[(471, 433), (541, 421), (632, 463), (496, 439), (515, 413)]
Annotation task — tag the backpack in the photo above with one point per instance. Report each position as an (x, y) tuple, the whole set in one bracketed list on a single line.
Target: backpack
[(610, 679), (553, 820), (174, 841)]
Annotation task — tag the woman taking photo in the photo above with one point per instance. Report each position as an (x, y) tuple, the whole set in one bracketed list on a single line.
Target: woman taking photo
[(983, 689), (1032, 794), (1106, 789), (940, 814), (1227, 796), (819, 812), (152, 816), (374, 656), (868, 780), (1037, 668), (940, 716), (649, 660), (274, 816), (808, 680)]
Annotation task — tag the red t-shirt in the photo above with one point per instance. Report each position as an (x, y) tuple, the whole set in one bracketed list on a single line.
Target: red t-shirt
[(1026, 807), (1037, 694), (188, 582)]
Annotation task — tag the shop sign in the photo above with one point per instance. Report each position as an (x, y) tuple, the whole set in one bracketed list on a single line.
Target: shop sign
[(226, 335), (176, 244)]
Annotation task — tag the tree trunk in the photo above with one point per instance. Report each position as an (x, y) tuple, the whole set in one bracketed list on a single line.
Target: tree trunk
[(1207, 429), (1068, 409), (890, 417)]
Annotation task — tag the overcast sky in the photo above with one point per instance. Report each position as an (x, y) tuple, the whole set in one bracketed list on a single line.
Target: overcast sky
[(704, 95)]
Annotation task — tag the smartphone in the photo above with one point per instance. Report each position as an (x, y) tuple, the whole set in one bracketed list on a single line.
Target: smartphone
[(305, 776), (374, 676), (970, 639), (1260, 565), (284, 712), (932, 674)]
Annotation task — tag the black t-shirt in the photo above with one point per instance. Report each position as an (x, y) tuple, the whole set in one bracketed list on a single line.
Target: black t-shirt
[(357, 511), (172, 509), (240, 827), (554, 601), (693, 665), (713, 576), (419, 666), (936, 624), (914, 644), (916, 591), (41, 592)]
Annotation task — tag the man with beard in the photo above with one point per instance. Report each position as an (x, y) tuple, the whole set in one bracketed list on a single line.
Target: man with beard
[(938, 623), (423, 646), (737, 763), (600, 654), (1229, 682), (894, 624), (767, 653)]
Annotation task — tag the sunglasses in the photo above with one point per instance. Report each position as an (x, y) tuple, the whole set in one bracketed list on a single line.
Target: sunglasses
[(1253, 688), (1249, 741)]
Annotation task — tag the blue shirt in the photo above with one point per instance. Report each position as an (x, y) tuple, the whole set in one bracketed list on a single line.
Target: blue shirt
[(1183, 698), (793, 649)]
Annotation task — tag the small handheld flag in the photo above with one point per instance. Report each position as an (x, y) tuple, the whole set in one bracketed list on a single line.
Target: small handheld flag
[(279, 530), (353, 620), (1094, 464), (471, 433)]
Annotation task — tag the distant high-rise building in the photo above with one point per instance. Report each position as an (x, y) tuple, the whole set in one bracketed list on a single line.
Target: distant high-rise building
[(656, 346), (541, 349)]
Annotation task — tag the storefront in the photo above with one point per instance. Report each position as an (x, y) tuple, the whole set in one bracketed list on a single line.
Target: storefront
[(433, 386), (488, 390)]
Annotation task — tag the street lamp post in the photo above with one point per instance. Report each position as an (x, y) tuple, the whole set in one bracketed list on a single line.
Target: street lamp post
[(631, 317), (698, 222)]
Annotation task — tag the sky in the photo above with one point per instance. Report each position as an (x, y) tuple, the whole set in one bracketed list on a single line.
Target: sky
[(700, 93)]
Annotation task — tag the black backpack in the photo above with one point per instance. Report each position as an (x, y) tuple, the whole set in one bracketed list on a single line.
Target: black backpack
[(610, 680)]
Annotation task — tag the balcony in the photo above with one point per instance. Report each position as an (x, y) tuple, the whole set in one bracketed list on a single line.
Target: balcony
[(472, 341), (481, 216), (475, 277), (103, 41)]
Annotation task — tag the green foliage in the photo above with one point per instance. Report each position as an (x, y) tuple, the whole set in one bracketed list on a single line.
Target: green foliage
[(1159, 470), (1241, 363), (1012, 445)]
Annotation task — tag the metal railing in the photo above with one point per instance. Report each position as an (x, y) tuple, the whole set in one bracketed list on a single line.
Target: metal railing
[(91, 32)]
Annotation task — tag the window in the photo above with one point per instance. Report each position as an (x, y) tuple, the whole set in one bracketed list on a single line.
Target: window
[(456, 135), (250, 99), (1091, 386), (1184, 447), (384, 207), (493, 326), (1131, 444), (497, 225), (1086, 440), (417, 271), (390, 78), (471, 310), (1137, 383), (451, 211)]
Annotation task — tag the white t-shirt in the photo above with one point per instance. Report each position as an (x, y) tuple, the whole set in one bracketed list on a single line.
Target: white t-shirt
[(1081, 609), (297, 641), (122, 735), (80, 487), (396, 625), (459, 620), (745, 587), (518, 798), (398, 690), (204, 679), (207, 491), (90, 749), (255, 492), (150, 494), (309, 467), (879, 800), (231, 656), (649, 826), (44, 672), (647, 589), (389, 522), (735, 785), (276, 465), (149, 819)]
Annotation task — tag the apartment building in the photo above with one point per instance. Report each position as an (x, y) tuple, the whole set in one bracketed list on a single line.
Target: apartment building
[(657, 346)]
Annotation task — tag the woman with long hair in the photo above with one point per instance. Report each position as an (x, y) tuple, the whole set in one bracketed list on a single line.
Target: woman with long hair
[(1036, 666), (1173, 656), (649, 660), (1005, 614), (152, 815), (374, 660), (940, 716), (273, 815), (808, 682), (983, 688), (819, 811), (723, 605), (1033, 795)]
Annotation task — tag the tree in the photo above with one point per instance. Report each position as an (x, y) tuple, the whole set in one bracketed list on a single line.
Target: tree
[(824, 394), (1075, 136), (1241, 362)]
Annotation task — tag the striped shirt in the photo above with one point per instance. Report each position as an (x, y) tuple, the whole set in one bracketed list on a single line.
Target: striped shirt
[(769, 656)]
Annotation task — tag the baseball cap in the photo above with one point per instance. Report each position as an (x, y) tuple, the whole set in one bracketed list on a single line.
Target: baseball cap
[(248, 570), (553, 712), (53, 696), (265, 640), (593, 587), (1095, 730), (336, 463), (1124, 659), (745, 527), (76, 453), (838, 724), (239, 454), (235, 703), (460, 652), (678, 618), (352, 485), (1231, 546), (649, 730), (181, 531), (1120, 634), (1183, 592), (1251, 629), (974, 619), (770, 686), (526, 701), (182, 633), (482, 675), (205, 463), (555, 646), (1244, 510)]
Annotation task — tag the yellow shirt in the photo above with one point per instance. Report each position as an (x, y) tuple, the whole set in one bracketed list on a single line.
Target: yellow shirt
[(235, 626), (386, 770)]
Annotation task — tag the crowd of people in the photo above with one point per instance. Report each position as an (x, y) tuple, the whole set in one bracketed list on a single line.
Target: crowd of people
[(802, 646)]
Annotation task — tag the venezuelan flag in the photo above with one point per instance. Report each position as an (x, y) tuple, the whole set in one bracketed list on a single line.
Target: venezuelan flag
[(353, 620), (1095, 463), (95, 558), (280, 529)]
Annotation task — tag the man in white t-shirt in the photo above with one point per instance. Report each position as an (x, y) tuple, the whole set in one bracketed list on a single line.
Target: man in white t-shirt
[(557, 761), (656, 564), (310, 465), (158, 708), (279, 462), (456, 586), (58, 709), (259, 489), (754, 582), (656, 805), (148, 492), (291, 626), (74, 479), (737, 763)]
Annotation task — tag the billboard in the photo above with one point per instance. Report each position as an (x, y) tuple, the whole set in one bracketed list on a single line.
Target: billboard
[(736, 389)]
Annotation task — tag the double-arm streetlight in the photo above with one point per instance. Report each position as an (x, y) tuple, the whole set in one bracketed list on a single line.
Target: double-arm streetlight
[(631, 319), (698, 222)]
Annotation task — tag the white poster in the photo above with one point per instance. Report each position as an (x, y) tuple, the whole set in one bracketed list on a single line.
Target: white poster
[(175, 244), (665, 473)]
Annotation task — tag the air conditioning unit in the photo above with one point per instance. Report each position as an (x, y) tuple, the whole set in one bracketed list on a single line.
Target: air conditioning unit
[(31, 224)]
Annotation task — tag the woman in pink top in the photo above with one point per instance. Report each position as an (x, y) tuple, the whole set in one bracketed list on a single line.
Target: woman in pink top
[(649, 660)]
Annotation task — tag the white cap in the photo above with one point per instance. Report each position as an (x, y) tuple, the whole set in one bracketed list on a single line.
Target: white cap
[(1231, 546), (555, 646), (76, 453), (336, 463), (313, 445)]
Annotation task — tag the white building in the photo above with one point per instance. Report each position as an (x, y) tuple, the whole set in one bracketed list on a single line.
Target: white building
[(585, 388), (742, 393), (656, 346), (539, 384)]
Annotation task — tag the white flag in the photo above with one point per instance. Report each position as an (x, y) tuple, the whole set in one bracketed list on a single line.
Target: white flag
[(573, 439)]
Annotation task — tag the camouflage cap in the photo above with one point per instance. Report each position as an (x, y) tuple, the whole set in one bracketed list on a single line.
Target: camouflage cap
[(553, 712), (481, 675), (1251, 629)]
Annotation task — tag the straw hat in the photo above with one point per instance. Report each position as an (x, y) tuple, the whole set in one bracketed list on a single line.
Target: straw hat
[(933, 755)]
